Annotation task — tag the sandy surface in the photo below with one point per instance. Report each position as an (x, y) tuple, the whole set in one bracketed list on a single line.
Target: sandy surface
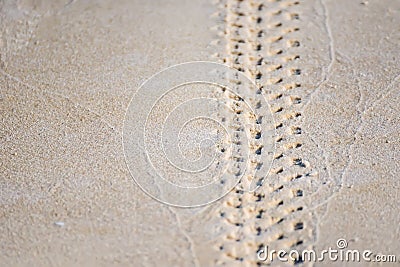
[(68, 70)]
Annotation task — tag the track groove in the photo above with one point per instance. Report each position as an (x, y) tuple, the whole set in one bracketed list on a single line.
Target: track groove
[(262, 40)]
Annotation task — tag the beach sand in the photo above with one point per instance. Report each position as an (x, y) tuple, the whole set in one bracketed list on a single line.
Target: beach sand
[(68, 71)]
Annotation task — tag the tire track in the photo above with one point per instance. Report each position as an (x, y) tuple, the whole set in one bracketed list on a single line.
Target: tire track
[(262, 40)]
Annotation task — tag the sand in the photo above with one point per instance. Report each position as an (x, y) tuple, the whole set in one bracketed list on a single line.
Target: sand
[(329, 71)]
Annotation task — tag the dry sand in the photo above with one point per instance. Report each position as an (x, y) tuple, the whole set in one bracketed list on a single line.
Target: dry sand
[(68, 70)]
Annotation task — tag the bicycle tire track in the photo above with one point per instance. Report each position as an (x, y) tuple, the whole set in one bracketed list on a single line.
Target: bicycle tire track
[(262, 40)]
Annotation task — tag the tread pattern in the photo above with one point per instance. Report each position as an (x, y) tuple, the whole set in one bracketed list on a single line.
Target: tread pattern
[(262, 40)]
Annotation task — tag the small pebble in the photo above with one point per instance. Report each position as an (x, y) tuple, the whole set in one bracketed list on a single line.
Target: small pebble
[(61, 224)]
